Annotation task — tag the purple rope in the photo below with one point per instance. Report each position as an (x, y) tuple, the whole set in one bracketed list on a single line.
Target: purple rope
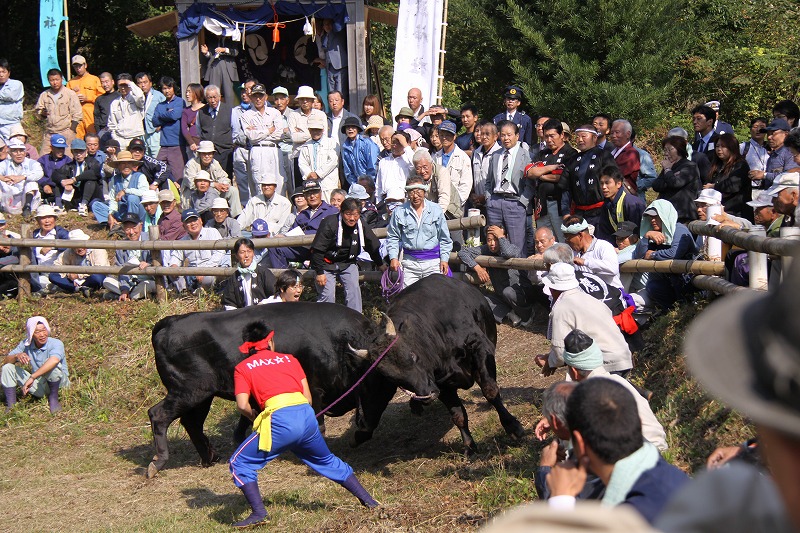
[(388, 288), (357, 383)]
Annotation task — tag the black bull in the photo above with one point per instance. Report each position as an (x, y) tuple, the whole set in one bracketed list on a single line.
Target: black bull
[(446, 339)]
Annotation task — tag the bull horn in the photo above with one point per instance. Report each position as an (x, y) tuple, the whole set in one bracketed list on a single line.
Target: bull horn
[(360, 353), (390, 331)]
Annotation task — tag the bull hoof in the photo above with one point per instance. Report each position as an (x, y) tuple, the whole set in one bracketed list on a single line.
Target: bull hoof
[(152, 470), (515, 430), (359, 438), (211, 461), (470, 451)]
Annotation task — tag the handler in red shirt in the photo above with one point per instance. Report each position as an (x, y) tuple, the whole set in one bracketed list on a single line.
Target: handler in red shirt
[(287, 422)]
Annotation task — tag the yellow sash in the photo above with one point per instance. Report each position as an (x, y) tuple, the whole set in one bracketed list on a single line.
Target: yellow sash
[(620, 212), (263, 422)]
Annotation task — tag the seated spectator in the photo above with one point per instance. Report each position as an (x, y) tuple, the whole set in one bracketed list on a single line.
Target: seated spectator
[(298, 201), (9, 255), (46, 220), (219, 178), (127, 187), (664, 238), (80, 181), (197, 258), (51, 162), (394, 170), (19, 181), (619, 205), (288, 287), (418, 229), (71, 283), (359, 153), (131, 287), (152, 209), (337, 197), (574, 309), (440, 189), (252, 283), (274, 208), (508, 299), (780, 158), (679, 181), (48, 364), (202, 195), (340, 239), (307, 221), (369, 213), (395, 197), (591, 254), (627, 236), (221, 220), (18, 132), (318, 157), (170, 227), (607, 438)]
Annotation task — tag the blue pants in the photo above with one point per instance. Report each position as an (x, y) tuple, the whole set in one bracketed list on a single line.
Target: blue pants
[(280, 257), (95, 281), (130, 202), (294, 429), (507, 213), (352, 290)]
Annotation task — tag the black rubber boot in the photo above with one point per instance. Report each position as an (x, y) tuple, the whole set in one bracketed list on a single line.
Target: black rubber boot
[(52, 396), (355, 488), (11, 397), (259, 514)]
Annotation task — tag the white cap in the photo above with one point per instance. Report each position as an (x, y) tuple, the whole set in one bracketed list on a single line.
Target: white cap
[(205, 147), (784, 181), (304, 91), (78, 60), (396, 193), (764, 199), (561, 277), (15, 144), (202, 175), (46, 210), (220, 203), (78, 235), (316, 122), (150, 197)]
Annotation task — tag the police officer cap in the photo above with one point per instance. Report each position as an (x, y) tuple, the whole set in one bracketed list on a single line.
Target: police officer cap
[(514, 91)]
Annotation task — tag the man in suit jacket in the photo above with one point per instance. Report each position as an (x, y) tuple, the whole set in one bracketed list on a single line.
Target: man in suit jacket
[(703, 120), (333, 46), (625, 154), (337, 116), (512, 100), (221, 68), (214, 121), (508, 192)]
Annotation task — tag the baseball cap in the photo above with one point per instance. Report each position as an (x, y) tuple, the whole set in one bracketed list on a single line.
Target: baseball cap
[(396, 193), (448, 126), (298, 191), (58, 141), (784, 181), (651, 212), (280, 90), (189, 214), (16, 144), (260, 228), (764, 199), (310, 186), (202, 175), (136, 144), (78, 235), (267, 179), (625, 229), (78, 60), (166, 196), (111, 143), (258, 88), (561, 277), (316, 122), (77, 145), (149, 197), (777, 124), (131, 217)]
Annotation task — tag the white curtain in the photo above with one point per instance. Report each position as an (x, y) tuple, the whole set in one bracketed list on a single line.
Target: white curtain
[(416, 56)]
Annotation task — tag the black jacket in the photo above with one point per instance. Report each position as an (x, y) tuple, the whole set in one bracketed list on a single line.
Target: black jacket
[(92, 171), (154, 170), (680, 185), (326, 255), (262, 286)]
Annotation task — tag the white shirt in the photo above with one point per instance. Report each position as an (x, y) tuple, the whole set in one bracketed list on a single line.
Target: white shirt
[(756, 155), (601, 260), (256, 126), (298, 120), (336, 124), (393, 172), (460, 170)]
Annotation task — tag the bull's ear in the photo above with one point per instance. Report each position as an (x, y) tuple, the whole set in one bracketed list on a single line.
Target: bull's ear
[(389, 326), (359, 353)]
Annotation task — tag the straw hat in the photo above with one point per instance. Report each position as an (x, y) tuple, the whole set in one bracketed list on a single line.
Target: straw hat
[(123, 157), (375, 122)]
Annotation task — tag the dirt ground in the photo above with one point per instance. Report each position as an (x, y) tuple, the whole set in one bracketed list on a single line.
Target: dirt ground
[(81, 473)]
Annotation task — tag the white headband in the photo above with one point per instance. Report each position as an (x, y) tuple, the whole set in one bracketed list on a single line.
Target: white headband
[(417, 186), (574, 229), (587, 130)]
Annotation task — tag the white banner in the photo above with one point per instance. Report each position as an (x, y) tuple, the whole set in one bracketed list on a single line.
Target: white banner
[(416, 55)]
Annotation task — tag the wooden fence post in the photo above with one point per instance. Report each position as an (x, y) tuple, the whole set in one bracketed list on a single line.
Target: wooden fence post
[(24, 280), (161, 290)]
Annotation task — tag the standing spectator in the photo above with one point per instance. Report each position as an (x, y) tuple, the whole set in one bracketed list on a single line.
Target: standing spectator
[(338, 243), (46, 218), (469, 119), (167, 118), (337, 115), (455, 160), (131, 287), (197, 258), (508, 193), (418, 229), (647, 171), (753, 149), (415, 108), (318, 158), (625, 154), (372, 130), (11, 95), (539, 143), (51, 162), (215, 126), (80, 180), (252, 284), (481, 158), (679, 181), (71, 283), (280, 98), (298, 124), (128, 185), (19, 181), (719, 126), (195, 101), (206, 161), (242, 171), (221, 220), (17, 131), (60, 108), (780, 159), (788, 111), (88, 88), (729, 175), (332, 46), (269, 206), (591, 254), (126, 116), (263, 129), (221, 70), (102, 105), (512, 100), (703, 119), (359, 154), (152, 98), (48, 362), (393, 171), (385, 137), (601, 122), (618, 206), (371, 107)]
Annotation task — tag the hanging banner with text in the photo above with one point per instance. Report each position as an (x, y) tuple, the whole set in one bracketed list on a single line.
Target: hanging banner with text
[(416, 55), (51, 15)]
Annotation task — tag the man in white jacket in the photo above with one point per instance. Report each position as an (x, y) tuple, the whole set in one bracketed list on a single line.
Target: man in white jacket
[(126, 116), (318, 158)]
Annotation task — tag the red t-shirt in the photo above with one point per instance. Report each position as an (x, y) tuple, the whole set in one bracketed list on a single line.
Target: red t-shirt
[(267, 374)]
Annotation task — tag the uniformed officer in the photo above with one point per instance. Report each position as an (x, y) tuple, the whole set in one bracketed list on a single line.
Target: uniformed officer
[(279, 386), (512, 101)]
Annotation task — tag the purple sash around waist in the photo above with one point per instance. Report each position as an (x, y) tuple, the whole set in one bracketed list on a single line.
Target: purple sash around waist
[(423, 255)]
